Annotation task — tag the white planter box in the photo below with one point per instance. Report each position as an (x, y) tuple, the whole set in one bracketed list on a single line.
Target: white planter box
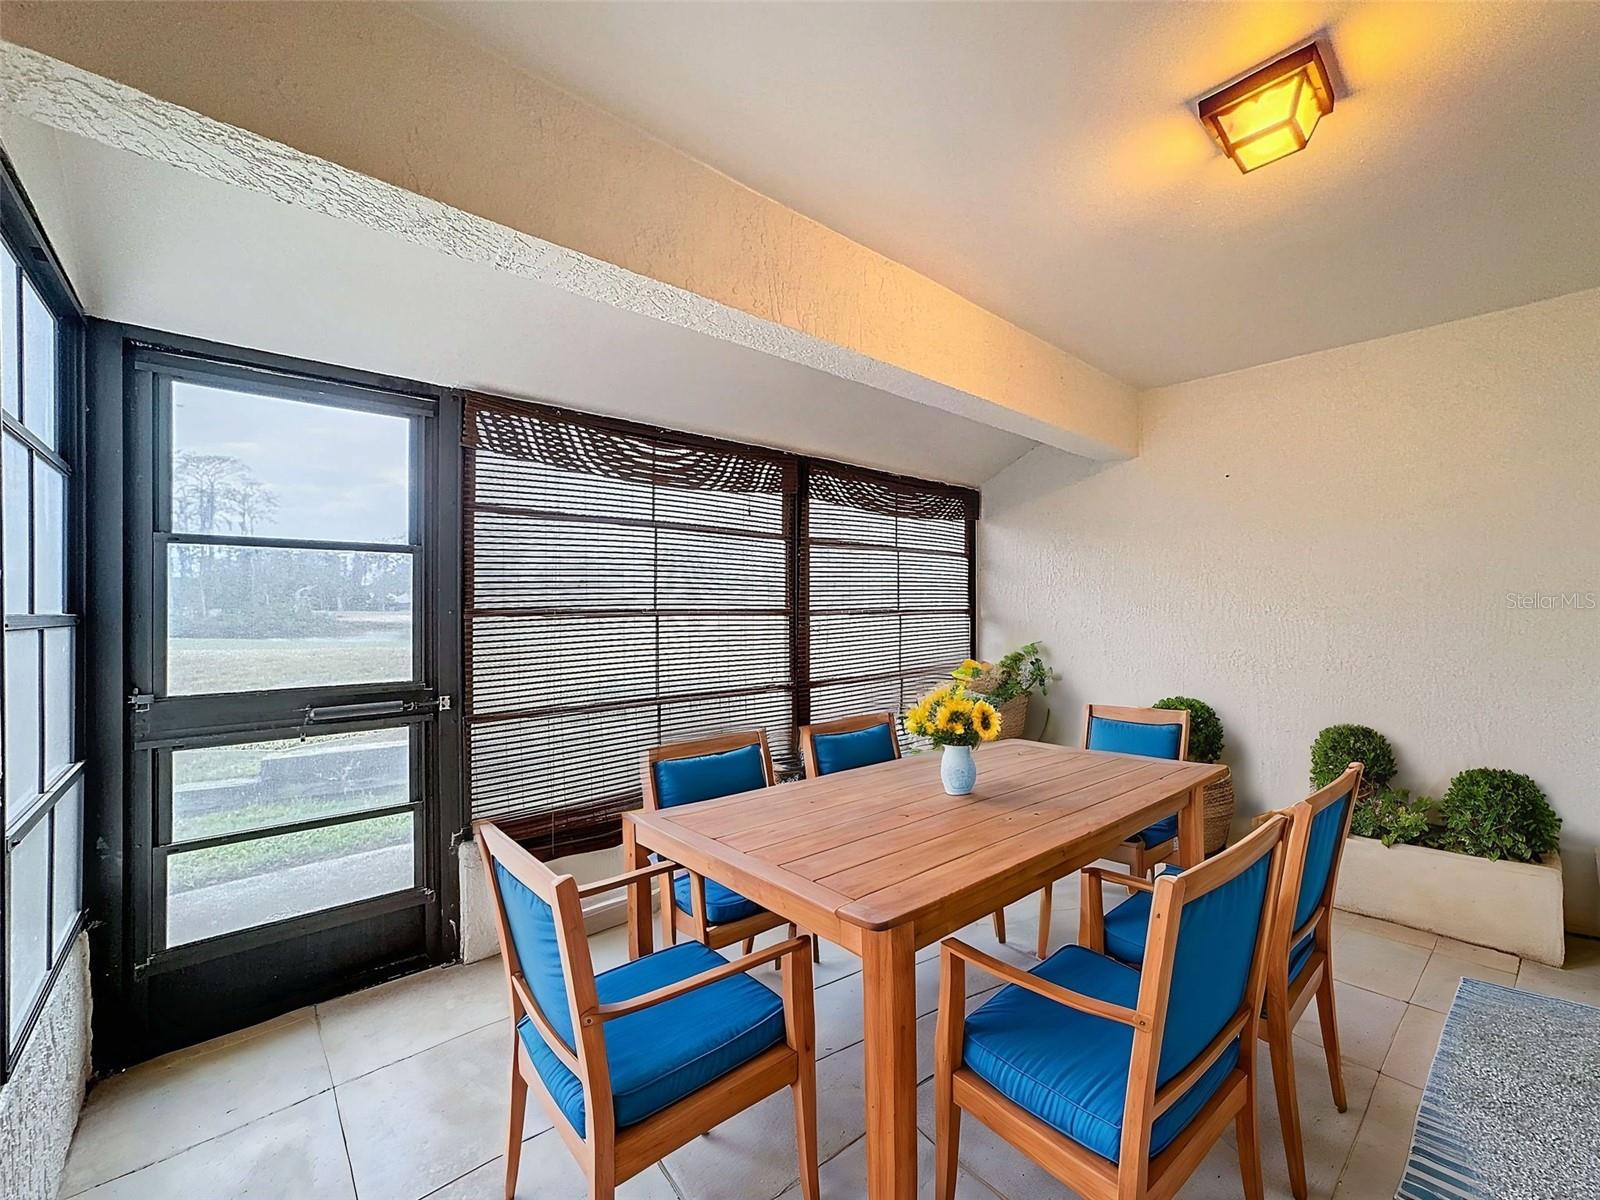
[(1510, 906)]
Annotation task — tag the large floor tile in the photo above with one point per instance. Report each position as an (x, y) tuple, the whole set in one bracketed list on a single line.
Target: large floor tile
[(1367, 1023), (1415, 1043), (549, 1172), (1346, 921), (1578, 979), (1378, 1157), (752, 1156), (1444, 973), (844, 1177), (1326, 1132), (1378, 963), (1481, 956), (426, 1120), (382, 1025), (992, 1160), (297, 1151), (180, 1100)]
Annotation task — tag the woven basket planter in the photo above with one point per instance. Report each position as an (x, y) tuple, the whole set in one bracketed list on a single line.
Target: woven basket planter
[(1013, 713), (1219, 812)]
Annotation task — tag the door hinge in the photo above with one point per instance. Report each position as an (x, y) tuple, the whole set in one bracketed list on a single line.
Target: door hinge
[(140, 701)]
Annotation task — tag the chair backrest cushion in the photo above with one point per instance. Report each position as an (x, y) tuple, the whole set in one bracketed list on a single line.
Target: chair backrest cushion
[(1217, 935), (1321, 850), (1134, 737), (707, 776), (847, 751), (533, 932)]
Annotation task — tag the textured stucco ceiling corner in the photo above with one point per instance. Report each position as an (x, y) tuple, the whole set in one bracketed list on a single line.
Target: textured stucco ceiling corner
[(628, 218)]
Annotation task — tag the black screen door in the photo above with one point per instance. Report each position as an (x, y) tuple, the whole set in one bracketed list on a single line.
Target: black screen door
[(285, 710)]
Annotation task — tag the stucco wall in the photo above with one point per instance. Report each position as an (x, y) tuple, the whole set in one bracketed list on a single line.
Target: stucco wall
[(1341, 537), (39, 1103), (374, 88)]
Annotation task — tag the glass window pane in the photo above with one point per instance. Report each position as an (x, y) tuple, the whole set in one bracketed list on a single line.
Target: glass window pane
[(38, 365), (227, 789), (28, 918), (68, 850), (10, 356), (49, 539), (261, 466), (14, 466), (22, 721), (59, 690), (247, 619), (228, 888)]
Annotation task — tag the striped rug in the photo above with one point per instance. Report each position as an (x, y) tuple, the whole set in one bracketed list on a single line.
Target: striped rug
[(1511, 1110)]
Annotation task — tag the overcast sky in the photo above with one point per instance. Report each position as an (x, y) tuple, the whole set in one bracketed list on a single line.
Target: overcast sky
[(337, 474)]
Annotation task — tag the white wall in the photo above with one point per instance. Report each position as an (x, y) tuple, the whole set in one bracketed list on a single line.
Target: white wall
[(39, 1103), (1334, 538)]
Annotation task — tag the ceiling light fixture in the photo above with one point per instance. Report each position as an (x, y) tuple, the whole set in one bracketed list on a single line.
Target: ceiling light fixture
[(1270, 113)]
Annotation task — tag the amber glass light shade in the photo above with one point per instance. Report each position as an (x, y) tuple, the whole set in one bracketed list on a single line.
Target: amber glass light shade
[(1272, 112)]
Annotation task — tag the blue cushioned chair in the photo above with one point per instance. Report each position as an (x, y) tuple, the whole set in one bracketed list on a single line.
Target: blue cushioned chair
[(846, 743), (1150, 733), (689, 773), (1118, 1081), (634, 1062), (1299, 967)]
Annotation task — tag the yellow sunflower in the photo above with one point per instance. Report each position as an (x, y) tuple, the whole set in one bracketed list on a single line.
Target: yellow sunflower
[(985, 720), (917, 718), (946, 720)]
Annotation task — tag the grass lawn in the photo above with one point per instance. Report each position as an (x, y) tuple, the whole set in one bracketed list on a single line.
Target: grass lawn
[(377, 650)]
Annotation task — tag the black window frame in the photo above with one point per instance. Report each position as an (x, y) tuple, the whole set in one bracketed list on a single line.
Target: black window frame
[(38, 265), (551, 837)]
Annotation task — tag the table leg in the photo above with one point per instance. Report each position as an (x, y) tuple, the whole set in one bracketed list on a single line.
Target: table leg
[(633, 857), (1192, 829), (890, 1011)]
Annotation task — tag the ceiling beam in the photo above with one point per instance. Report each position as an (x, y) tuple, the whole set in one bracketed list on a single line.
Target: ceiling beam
[(488, 161)]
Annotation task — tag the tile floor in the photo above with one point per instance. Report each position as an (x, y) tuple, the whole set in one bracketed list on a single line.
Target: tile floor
[(398, 1093)]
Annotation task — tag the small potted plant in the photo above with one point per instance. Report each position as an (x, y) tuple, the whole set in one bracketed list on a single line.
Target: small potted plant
[(1008, 684), (1337, 746), (951, 719), (1205, 746)]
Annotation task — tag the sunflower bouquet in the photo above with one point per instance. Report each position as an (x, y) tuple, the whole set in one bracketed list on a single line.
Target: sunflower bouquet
[(947, 716)]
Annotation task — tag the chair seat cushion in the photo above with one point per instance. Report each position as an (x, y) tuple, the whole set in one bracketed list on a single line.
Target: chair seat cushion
[(1163, 830), (847, 751), (1068, 1068), (722, 904), (662, 1054)]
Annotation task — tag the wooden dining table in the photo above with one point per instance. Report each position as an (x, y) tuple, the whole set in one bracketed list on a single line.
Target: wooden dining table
[(881, 861)]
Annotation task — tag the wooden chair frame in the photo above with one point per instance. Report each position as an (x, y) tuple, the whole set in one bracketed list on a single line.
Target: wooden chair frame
[(607, 1155), (1136, 1176), (1286, 1001), (1135, 854), (694, 924), (854, 724)]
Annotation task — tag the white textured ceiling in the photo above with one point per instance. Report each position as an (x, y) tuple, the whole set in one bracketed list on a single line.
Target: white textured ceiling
[(158, 245), (1043, 159)]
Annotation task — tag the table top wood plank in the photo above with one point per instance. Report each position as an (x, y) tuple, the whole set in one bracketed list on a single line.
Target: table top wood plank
[(920, 836), (788, 840), (949, 850), (888, 847)]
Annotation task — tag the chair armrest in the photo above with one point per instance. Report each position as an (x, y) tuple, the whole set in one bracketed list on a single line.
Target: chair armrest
[(795, 946), (1132, 882), (1092, 1005), (637, 875)]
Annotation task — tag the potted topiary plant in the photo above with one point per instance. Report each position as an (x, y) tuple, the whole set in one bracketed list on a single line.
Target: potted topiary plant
[(1008, 685), (1481, 867), (1337, 746), (1205, 746)]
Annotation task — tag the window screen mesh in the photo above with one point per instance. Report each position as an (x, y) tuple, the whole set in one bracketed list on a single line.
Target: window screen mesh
[(623, 589), (889, 603)]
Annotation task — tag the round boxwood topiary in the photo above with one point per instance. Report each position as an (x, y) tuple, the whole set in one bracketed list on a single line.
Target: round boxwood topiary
[(1498, 814), (1205, 727), (1338, 746)]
